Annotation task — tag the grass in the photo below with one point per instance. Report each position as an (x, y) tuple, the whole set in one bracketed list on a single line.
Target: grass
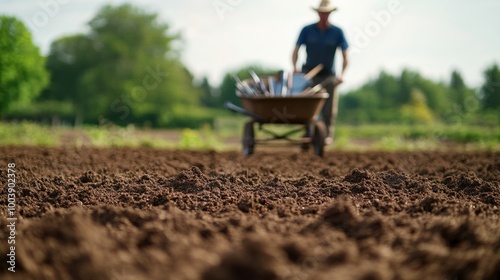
[(364, 137), (25, 133), (419, 137), (455, 133)]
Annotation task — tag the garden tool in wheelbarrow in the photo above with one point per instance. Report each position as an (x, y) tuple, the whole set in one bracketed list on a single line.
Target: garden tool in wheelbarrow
[(302, 81)]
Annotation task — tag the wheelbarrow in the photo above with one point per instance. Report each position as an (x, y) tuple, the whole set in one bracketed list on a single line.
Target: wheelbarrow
[(300, 110)]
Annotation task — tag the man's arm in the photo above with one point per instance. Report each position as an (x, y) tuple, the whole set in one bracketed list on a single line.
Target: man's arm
[(345, 62), (295, 57)]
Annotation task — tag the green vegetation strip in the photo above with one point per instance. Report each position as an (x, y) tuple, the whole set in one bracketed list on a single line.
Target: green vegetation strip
[(24, 133), (364, 137)]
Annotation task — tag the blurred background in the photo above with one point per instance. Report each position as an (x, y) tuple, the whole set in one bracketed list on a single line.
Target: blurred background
[(84, 72)]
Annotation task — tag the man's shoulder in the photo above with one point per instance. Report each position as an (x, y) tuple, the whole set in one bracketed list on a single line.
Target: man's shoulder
[(335, 28), (310, 26)]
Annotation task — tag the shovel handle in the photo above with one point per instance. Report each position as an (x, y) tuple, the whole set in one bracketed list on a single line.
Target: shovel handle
[(311, 74), (319, 86)]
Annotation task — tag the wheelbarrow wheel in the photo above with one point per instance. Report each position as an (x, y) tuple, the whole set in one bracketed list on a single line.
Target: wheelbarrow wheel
[(319, 137), (248, 139)]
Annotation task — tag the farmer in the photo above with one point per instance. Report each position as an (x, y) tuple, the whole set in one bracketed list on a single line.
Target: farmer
[(322, 40)]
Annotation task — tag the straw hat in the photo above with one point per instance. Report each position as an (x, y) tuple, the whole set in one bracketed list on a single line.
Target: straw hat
[(325, 7)]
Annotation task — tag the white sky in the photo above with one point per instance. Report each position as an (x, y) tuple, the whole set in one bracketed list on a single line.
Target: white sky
[(432, 37)]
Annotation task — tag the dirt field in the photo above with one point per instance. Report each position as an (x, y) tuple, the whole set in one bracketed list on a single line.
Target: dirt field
[(155, 214)]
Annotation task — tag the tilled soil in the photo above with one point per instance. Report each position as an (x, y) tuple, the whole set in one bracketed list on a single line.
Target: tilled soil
[(156, 214)]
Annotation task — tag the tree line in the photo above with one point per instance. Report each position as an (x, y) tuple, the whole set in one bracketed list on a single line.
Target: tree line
[(127, 69), (414, 99)]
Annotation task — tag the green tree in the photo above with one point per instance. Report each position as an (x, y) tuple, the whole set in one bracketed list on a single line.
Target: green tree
[(209, 95), (381, 99), (435, 93), (490, 91), (68, 59), (124, 70), (407, 83), (458, 91), (464, 100), (361, 106), (22, 72), (416, 110), (422, 100), (387, 90)]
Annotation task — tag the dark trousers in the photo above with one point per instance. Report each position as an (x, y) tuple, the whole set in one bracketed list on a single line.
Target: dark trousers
[(330, 108)]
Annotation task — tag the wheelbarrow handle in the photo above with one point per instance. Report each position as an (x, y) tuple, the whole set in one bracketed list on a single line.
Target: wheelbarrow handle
[(229, 105)]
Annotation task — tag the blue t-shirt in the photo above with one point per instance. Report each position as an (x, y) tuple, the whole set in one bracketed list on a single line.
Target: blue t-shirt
[(321, 46)]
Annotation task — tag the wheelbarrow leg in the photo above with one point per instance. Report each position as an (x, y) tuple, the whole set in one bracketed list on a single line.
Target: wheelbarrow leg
[(248, 141), (319, 137), (309, 131)]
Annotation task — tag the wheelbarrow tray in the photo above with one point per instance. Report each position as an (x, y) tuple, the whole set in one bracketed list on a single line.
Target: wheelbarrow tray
[(295, 109)]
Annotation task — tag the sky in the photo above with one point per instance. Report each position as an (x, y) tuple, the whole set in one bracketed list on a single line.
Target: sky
[(431, 37)]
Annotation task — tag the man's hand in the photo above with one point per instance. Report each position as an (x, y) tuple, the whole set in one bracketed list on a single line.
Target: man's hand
[(345, 56)]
